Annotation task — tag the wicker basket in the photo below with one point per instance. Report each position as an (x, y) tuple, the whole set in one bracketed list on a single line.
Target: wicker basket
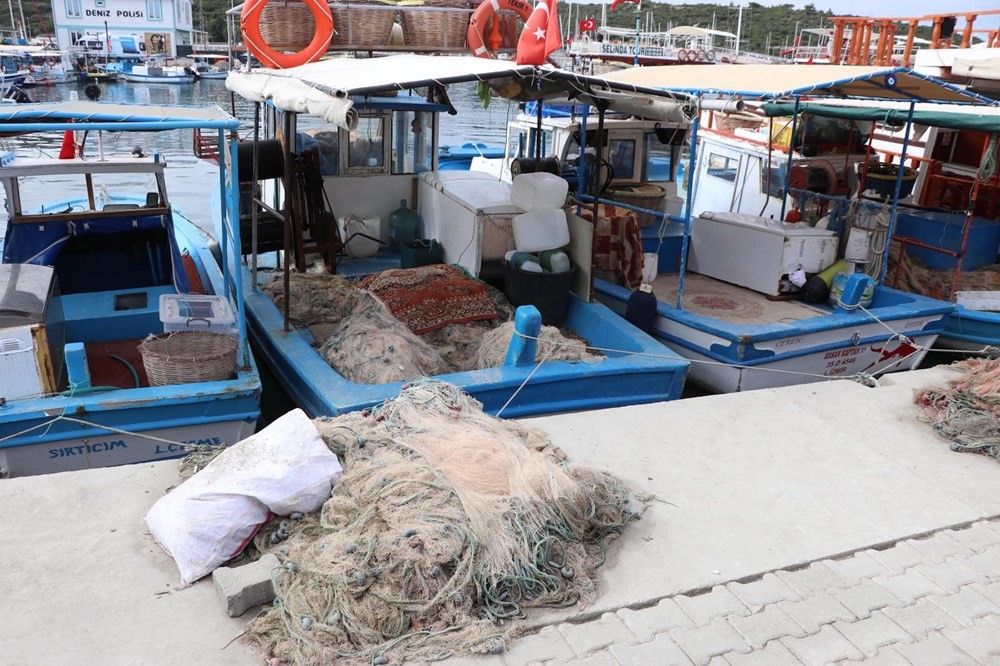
[(731, 122), (359, 24), (186, 357), (647, 195), (287, 26), (438, 29)]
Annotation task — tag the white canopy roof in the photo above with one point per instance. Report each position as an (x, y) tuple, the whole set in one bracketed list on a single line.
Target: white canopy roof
[(692, 31), (142, 116)]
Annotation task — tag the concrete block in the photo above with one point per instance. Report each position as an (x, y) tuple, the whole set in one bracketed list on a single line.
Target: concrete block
[(768, 590), (966, 605), (939, 547), (987, 562), (661, 618), (544, 645), (705, 607), (991, 591), (662, 650), (922, 618), (817, 577), (886, 657), (899, 558), (826, 647), (909, 586), (981, 640), (588, 637), (952, 574), (241, 588), (602, 658), (775, 654), (875, 632), (768, 624), (978, 536), (935, 650), (714, 640), (856, 568), (816, 611), (865, 597)]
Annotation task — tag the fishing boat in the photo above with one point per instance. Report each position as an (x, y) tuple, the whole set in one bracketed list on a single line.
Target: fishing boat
[(159, 71), (87, 279), (210, 66), (374, 124), (724, 286)]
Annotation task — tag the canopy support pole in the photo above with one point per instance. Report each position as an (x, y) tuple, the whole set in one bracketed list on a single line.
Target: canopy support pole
[(899, 186), (538, 135), (688, 203), (253, 197), (791, 154), (289, 132), (970, 211)]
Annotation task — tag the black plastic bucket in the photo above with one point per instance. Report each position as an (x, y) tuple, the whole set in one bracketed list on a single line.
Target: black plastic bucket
[(549, 292)]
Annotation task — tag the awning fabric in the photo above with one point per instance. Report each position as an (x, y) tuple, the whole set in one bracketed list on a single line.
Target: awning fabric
[(84, 111), (986, 120)]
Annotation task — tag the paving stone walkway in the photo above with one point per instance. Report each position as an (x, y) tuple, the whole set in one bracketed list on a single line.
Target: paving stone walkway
[(933, 600)]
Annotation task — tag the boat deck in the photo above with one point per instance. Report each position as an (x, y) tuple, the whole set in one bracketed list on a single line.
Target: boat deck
[(105, 370), (728, 302)]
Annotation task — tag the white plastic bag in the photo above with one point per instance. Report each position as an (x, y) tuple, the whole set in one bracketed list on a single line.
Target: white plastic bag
[(210, 517)]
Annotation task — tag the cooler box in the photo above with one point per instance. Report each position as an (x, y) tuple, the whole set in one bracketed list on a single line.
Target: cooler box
[(469, 213), (202, 312), (757, 252), (945, 230), (31, 331)]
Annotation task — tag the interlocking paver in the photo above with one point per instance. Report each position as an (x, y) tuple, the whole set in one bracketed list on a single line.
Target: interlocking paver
[(951, 574), (909, 586), (856, 568), (701, 644), (647, 622), (938, 547), (817, 577), (588, 637), (966, 605), (827, 646), (704, 607), (546, 644), (982, 641), (898, 558), (773, 654), (662, 650), (991, 590), (768, 590), (885, 657), (765, 625), (865, 597), (987, 562), (922, 618), (935, 650), (815, 611), (872, 633), (602, 658), (978, 536)]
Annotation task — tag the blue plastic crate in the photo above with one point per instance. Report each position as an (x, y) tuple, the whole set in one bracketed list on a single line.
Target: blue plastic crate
[(945, 230)]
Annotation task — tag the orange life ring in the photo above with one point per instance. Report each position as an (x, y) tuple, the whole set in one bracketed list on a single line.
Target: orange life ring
[(701, 54), (250, 27), (474, 35)]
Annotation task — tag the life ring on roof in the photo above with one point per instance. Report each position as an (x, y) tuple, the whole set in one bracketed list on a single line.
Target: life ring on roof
[(250, 27), (477, 24), (682, 54), (711, 56), (701, 54)]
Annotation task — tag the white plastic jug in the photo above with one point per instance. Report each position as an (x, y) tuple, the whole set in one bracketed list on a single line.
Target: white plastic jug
[(540, 230)]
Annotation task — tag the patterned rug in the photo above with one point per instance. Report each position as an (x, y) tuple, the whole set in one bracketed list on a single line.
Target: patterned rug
[(430, 297)]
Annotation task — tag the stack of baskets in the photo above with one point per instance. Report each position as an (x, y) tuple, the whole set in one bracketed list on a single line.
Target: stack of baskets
[(443, 25), (287, 26), (361, 24), (188, 356)]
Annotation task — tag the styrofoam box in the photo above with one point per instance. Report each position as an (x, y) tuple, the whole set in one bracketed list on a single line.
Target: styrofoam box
[(202, 312), (540, 230), (538, 191)]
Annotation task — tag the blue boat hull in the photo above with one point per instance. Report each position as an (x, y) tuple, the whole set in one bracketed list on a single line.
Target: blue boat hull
[(971, 330)]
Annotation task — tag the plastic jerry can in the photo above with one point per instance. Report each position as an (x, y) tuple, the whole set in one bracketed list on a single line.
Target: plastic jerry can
[(405, 226)]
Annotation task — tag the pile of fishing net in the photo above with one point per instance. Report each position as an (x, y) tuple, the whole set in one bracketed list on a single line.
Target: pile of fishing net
[(967, 411), (446, 521), (361, 339)]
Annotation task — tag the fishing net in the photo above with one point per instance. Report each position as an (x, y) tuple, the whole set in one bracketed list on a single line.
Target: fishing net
[(318, 298), (552, 346), (445, 522), (968, 410)]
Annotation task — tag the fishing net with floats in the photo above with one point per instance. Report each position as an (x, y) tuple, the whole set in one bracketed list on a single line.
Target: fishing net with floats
[(553, 345), (967, 411), (446, 521)]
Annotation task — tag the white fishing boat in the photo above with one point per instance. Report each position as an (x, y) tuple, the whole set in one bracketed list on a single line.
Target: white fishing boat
[(158, 71)]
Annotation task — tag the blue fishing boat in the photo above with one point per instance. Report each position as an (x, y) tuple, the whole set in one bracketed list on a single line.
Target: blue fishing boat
[(89, 286), (372, 151)]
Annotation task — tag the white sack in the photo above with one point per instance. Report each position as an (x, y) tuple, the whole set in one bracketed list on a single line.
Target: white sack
[(538, 191), (209, 518)]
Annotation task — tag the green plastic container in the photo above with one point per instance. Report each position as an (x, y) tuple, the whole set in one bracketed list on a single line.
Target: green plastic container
[(421, 252), (405, 226)]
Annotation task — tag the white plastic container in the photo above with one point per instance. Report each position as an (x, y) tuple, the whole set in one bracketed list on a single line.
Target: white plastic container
[(202, 312), (540, 230), (538, 191), (359, 246)]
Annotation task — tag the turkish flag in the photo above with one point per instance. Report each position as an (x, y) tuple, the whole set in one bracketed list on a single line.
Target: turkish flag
[(587, 25), (618, 2), (540, 36)]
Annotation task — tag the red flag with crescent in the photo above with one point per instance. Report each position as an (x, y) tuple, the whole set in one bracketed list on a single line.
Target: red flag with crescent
[(587, 25), (540, 36), (618, 2)]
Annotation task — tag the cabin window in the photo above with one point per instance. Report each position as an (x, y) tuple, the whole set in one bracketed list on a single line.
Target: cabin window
[(366, 145), (621, 154), (723, 166), (73, 9), (413, 142), (659, 162), (154, 10), (775, 185), (528, 142)]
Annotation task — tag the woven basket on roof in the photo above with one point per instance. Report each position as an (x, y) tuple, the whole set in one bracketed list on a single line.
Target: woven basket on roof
[(287, 26), (438, 29), (184, 357), (361, 24), (647, 195), (730, 122)]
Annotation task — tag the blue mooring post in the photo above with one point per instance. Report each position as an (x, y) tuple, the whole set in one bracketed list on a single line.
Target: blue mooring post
[(522, 350)]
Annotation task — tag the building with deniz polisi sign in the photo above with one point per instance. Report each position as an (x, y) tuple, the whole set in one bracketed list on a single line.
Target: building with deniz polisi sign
[(125, 27)]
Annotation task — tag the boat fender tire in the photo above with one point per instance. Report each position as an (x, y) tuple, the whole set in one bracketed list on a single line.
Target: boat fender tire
[(701, 54), (710, 56), (475, 36), (250, 27)]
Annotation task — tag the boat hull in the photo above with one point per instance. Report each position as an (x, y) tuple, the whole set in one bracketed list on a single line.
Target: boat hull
[(971, 330), (182, 79), (727, 358)]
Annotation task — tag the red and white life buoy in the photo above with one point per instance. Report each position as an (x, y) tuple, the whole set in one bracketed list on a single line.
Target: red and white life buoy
[(682, 54), (711, 56), (692, 55), (250, 27), (701, 54), (477, 24)]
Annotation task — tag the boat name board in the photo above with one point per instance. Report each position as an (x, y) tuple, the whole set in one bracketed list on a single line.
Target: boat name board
[(630, 49), (103, 447)]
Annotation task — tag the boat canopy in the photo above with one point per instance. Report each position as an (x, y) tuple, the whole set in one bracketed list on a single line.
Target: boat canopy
[(86, 115), (772, 82), (950, 116), (694, 31)]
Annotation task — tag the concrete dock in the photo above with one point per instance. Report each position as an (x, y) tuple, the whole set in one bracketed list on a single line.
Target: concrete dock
[(805, 525)]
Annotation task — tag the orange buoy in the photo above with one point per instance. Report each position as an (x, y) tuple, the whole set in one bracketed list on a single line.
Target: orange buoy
[(474, 36), (250, 27)]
